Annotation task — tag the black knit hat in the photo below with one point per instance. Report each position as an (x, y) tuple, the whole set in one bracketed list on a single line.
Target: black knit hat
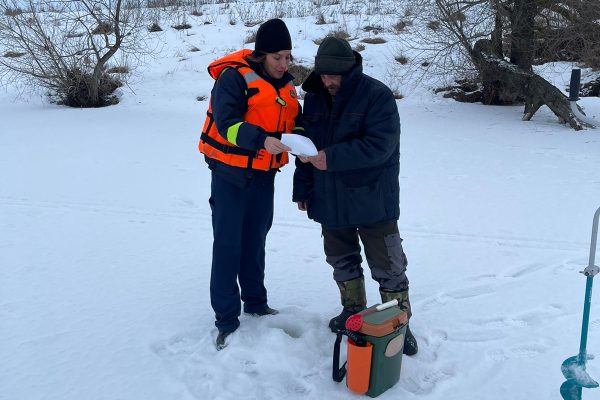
[(272, 36), (334, 57)]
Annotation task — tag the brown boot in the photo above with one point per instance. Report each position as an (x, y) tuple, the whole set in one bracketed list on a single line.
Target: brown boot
[(353, 298), (410, 343)]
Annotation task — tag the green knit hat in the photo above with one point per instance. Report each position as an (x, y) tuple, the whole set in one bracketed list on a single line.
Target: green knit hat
[(334, 57)]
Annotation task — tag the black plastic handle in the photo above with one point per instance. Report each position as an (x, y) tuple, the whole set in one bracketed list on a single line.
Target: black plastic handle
[(574, 85)]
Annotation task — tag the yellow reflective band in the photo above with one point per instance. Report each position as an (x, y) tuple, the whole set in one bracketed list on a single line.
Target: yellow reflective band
[(298, 128), (232, 133), (280, 101)]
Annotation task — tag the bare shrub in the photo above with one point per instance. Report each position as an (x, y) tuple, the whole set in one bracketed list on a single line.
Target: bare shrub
[(57, 58), (154, 27), (397, 95), (299, 72), (320, 19), (121, 69), (402, 59), (197, 13), (79, 84), (374, 29), (165, 4), (434, 25), (181, 26), (12, 12), (251, 38), (103, 28), (400, 26), (590, 89), (359, 47), (340, 34), (457, 16)]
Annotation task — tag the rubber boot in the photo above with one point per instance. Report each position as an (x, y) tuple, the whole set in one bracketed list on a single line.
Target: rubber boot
[(221, 343), (353, 298), (410, 343)]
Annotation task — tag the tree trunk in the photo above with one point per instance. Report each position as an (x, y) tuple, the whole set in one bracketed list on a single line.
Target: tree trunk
[(523, 84), (522, 23), (496, 36)]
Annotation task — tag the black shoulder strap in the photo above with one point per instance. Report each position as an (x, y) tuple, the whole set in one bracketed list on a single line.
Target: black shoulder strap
[(338, 373)]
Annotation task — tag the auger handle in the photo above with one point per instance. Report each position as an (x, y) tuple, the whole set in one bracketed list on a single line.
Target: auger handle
[(574, 85)]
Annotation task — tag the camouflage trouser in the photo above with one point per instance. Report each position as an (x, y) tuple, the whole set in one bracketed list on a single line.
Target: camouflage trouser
[(401, 296), (383, 251)]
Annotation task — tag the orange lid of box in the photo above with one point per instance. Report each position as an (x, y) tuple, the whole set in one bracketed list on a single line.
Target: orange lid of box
[(382, 323)]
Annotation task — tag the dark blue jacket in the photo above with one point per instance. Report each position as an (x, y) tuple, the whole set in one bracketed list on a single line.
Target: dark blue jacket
[(359, 130)]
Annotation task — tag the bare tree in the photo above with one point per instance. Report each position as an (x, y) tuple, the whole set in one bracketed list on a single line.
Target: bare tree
[(476, 38), (65, 46)]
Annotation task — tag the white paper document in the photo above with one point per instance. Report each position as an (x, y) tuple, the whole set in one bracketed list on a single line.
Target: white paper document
[(300, 145)]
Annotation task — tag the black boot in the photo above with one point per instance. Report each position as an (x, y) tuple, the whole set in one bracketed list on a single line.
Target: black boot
[(410, 343), (265, 311), (338, 323), (220, 342)]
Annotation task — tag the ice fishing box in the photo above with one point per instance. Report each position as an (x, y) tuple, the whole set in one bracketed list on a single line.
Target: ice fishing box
[(374, 352)]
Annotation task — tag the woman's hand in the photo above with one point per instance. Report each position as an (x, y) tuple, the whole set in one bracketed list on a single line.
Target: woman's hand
[(274, 145)]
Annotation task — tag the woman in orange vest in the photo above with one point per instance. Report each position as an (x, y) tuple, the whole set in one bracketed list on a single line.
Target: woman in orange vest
[(252, 104)]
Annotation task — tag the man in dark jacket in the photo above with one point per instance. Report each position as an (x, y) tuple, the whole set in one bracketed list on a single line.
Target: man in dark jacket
[(351, 186)]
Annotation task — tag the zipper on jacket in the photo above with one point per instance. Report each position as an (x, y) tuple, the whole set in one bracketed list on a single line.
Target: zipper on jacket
[(330, 122), (282, 104)]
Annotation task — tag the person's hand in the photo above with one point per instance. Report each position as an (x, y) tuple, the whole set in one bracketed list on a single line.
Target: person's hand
[(301, 205), (319, 161), (274, 145), (304, 159)]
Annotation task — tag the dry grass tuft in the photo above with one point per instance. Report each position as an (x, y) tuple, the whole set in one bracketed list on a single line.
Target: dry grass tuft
[(13, 54), (121, 69), (154, 28), (182, 26), (375, 40)]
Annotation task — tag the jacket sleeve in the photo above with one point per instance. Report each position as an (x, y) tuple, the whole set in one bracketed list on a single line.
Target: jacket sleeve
[(303, 181), (229, 104), (303, 174), (376, 144), (299, 123)]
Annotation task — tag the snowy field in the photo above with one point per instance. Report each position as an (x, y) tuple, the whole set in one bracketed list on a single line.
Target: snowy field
[(105, 246)]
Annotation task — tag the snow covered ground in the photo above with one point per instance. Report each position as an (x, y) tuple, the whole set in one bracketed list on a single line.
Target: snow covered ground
[(105, 247)]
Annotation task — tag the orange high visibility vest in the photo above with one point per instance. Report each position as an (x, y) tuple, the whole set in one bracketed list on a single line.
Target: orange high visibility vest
[(273, 110)]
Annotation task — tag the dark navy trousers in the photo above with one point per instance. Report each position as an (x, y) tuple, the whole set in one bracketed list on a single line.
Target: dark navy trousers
[(241, 218)]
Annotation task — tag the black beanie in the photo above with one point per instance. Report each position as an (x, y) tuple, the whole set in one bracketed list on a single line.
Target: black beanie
[(334, 57), (272, 36)]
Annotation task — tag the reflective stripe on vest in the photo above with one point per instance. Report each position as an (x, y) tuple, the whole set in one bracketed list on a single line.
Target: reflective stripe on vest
[(273, 110)]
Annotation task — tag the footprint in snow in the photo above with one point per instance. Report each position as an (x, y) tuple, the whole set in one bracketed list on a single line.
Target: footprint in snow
[(524, 270)]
